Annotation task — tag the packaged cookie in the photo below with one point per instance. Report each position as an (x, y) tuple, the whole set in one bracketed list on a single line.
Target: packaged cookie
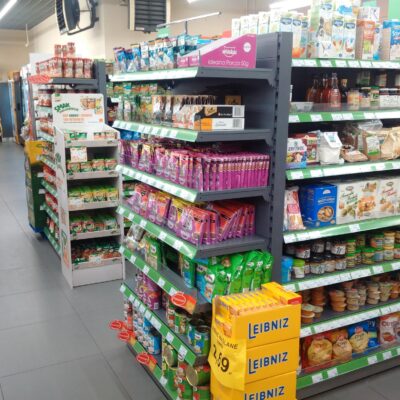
[(317, 352)]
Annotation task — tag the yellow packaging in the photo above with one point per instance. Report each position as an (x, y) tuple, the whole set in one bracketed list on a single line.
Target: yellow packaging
[(33, 149), (280, 387)]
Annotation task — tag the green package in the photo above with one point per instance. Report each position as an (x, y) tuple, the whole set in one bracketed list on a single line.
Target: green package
[(188, 270), (248, 271), (216, 281), (268, 261), (236, 271), (258, 273), (153, 253)]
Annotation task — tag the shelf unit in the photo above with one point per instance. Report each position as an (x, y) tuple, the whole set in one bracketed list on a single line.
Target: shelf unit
[(301, 74), (53, 241), (266, 93)]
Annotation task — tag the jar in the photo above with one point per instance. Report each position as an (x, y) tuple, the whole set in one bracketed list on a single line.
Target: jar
[(374, 97), (368, 255), (307, 267), (303, 251), (330, 264), (350, 260), (378, 256), (397, 237), (384, 98), (338, 248), (397, 251), (365, 99), (328, 245), (358, 257), (360, 240), (318, 246), (290, 249), (392, 98), (298, 268), (340, 263), (388, 253), (377, 241), (317, 265), (353, 99), (397, 80), (389, 238), (381, 79), (350, 246)]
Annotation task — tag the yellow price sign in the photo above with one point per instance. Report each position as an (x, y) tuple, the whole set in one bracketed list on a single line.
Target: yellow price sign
[(227, 359)]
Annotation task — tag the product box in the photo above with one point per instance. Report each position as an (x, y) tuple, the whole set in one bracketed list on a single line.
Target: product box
[(311, 142), (253, 24), (377, 41), (365, 40), (296, 155), (282, 387), (305, 26), (224, 53), (297, 29), (321, 15), (318, 204), (235, 27), (388, 193), (348, 194), (263, 22), (368, 199), (244, 24), (337, 35), (349, 38), (347, 7), (369, 13), (281, 21), (390, 50)]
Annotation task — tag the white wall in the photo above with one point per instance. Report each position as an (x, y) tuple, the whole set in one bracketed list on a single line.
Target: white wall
[(13, 53)]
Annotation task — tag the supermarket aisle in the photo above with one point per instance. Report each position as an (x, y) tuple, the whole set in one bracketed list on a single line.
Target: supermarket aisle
[(55, 343)]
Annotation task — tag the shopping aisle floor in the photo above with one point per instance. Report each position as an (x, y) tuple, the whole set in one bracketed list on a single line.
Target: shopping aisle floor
[(55, 343)]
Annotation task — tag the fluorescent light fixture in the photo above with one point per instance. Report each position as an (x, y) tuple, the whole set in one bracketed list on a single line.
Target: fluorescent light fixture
[(191, 1), (7, 8), (290, 4)]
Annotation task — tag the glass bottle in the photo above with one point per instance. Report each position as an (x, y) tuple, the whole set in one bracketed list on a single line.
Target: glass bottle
[(324, 96), (334, 96), (312, 92), (344, 89)]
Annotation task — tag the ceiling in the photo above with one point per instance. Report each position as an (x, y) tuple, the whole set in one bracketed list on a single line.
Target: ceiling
[(30, 12)]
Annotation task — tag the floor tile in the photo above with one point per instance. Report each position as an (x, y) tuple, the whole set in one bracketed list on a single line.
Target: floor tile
[(85, 379), (39, 345), (387, 383), (135, 379), (32, 307)]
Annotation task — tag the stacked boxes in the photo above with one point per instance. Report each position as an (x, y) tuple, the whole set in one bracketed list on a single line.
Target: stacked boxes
[(266, 326)]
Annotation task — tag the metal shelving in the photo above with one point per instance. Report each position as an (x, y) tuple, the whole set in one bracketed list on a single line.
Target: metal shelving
[(54, 243), (50, 212)]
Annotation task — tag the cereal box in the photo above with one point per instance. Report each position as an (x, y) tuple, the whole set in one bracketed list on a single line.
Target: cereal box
[(365, 40), (318, 204), (347, 201), (311, 141), (390, 50), (368, 199), (296, 156), (387, 196)]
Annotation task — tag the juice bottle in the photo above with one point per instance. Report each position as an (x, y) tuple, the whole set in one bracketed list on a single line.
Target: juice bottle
[(312, 92), (334, 97), (323, 89)]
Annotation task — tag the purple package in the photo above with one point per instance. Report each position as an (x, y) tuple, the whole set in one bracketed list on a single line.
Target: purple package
[(206, 173), (237, 52), (151, 209), (220, 175), (183, 170), (213, 174), (173, 167), (198, 176)]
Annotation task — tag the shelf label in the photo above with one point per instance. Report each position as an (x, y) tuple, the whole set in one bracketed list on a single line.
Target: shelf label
[(162, 235), (348, 116), (369, 115), (296, 174), (132, 259), (146, 269), (310, 63), (131, 216), (122, 289), (142, 308), (378, 269), (161, 282), (131, 298), (155, 322), (143, 223), (316, 173), (317, 378), (163, 381), (341, 63), (372, 360), (169, 337), (136, 303), (306, 332), (177, 245), (365, 64), (332, 373), (147, 315), (294, 119), (289, 238), (316, 117), (359, 274), (354, 228), (303, 236), (325, 63), (353, 64), (395, 266), (314, 235), (297, 63), (337, 117), (387, 355), (183, 351), (290, 288), (173, 134)]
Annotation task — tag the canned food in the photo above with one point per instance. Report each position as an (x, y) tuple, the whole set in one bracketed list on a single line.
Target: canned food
[(338, 248), (193, 323), (170, 314), (170, 355), (182, 366), (199, 375), (303, 251), (185, 390), (201, 392), (202, 340), (181, 321)]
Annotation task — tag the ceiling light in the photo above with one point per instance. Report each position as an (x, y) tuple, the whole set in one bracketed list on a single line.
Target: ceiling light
[(290, 4), (7, 8), (191, 1)]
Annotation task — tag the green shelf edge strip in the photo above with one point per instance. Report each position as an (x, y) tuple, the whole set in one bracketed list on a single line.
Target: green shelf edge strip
[(50, 188), (157, 372), (344, 229), (342, 276), (353, 365), (302, 117), (337, 63), (158, 130), (51, 213), (320, 171), (46, 161), (159, 183), (52, 240), (154, 275), (345, 320), (166, 237), (167, 333)]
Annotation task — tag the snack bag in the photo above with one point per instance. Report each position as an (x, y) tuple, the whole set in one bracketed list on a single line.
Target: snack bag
[(236, 274), (341, 346), (268, 262), (292, 217), (388, 327), (251, 259), (373, 333), (317, 352), (153, 253), (216, 282), (188, 270), (358, 337)]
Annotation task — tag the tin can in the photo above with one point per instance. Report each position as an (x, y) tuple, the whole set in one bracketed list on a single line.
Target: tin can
[(201, 392), (170, 314), (201, 343), (191, 329), (170, 355), (185, 391), (199, 375), (181, 321), (182, 367)]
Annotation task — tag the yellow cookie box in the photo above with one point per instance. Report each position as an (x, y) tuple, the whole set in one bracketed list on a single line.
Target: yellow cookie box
[(280, 387)]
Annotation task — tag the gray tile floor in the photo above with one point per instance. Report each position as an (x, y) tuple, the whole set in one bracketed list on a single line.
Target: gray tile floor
[(55, 343)]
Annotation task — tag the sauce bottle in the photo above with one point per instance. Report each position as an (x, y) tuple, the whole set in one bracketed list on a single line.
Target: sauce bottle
[(333, 96)]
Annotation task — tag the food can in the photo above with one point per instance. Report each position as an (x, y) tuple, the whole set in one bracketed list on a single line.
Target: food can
[(201, 343), (170, 355), (199, 375), (201, 392), (181, 321), (193, 323), (170, 314), (182, 366), (185, 390)]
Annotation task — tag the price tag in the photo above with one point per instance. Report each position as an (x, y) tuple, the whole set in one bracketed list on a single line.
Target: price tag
[(395, 266), (303, 236), (143, 223), (387, 355), (146, 269), (183, 351), (365, 64), (293, 119), (162, 235), (297, 63), (122, 289), (131, 216), (325, 63), (368, 115), (317, 378), (316, 117), (316, 173), (314, 235), (132, 259), (140, 128), (398, 351), (296, 175), (156, 323), (289, 238), (372, 360), (353, 64), (378, 269), (354, 228), (170, 337), (163, 380), (332, 373), (341, 63), (173, 134), (290, 288), (161, 282), (136, 303), (142, 308), (305, 332), (147, 129), (360, 274), (348, 117), (147, 314), (164, 132), (337, 117), (177, 245), (380, 167), (310, 63)]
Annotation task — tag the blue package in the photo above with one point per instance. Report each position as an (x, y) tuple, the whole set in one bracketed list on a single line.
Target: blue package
[(318, 204), (372, 333), (359, 337)]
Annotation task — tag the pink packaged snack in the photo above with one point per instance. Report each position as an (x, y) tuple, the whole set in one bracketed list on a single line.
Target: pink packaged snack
[(151, 207), (163, 202), (146, 158), (193, 224), (78, 68), (87, 68)]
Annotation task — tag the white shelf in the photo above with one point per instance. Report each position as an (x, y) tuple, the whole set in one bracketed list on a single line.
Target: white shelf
[(92, 175), (93, 206), (96, 234), (102, 263), (92, 143)]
